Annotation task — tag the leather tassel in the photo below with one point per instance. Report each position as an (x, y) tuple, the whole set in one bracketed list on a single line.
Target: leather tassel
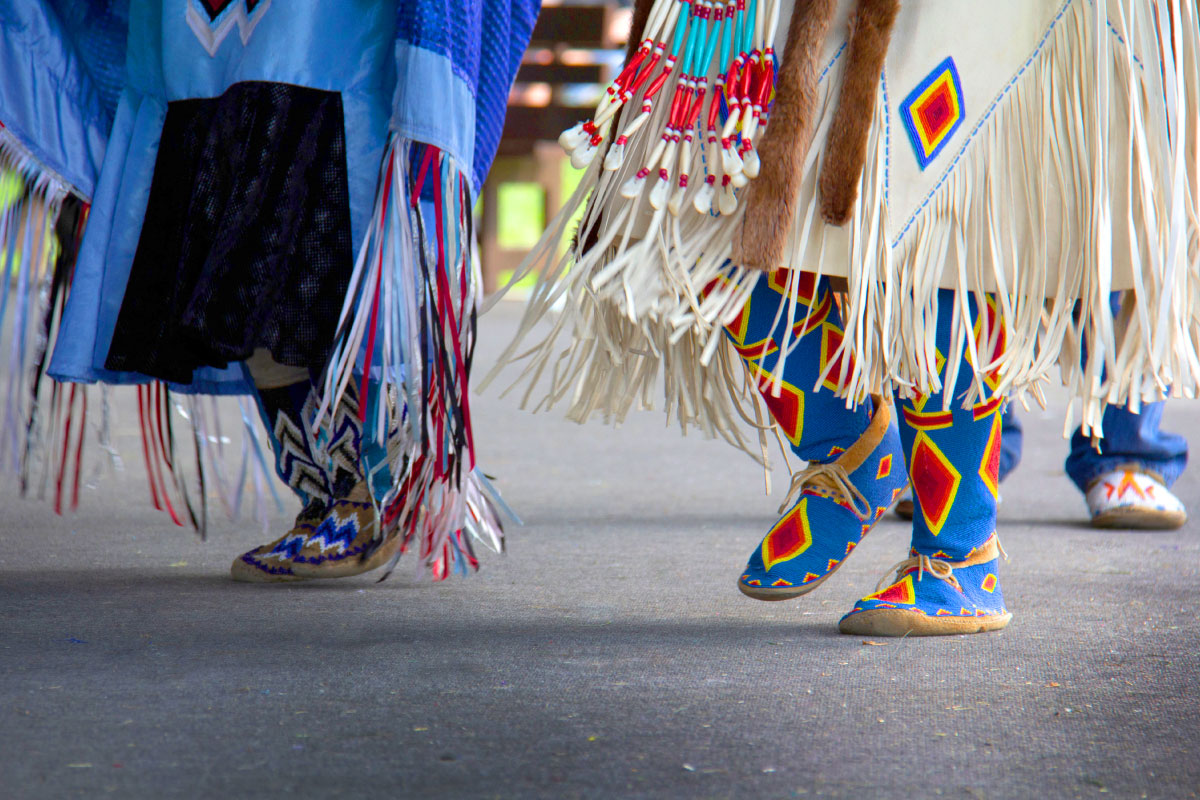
[(637, 25)]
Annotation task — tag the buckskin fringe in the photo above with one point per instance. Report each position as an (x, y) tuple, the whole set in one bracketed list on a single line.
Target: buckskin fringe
[(407, 334), (1040, 144), (655, 289), (611, 363)]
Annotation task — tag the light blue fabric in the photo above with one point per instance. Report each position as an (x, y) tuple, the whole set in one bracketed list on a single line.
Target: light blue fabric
[(423, 76), (99, 30), (47, 98), (482, 42), (167, 62)]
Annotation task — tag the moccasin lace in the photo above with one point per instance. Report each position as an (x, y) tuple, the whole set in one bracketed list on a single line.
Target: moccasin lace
[(833, 478), (934, 566)]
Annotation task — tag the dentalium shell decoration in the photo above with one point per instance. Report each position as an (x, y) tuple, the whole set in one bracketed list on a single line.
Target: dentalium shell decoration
[(685, 42), (637, 307)]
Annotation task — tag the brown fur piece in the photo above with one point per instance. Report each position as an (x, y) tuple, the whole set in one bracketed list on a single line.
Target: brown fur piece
[(846, 151), (771, 198)]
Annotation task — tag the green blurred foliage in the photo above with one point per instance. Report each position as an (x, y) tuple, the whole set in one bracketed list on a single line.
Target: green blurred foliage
[(10, 188), (522, 220)]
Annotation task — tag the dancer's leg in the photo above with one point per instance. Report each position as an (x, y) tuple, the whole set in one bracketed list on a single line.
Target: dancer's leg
[(949, 584), (1127, 480), (855, 465), (287, 398)]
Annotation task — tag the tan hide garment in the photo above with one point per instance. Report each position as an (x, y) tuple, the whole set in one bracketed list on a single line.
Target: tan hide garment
[(1052, 164)]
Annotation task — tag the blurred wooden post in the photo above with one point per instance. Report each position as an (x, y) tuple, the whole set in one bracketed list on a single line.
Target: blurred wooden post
[(543, 167), (489, 233), (538, 111)]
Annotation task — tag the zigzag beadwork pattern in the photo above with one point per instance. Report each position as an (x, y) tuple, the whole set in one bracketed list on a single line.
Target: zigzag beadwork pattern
[(345, 441), (298, 464), (348, 531), (277, 560), (212, 20), (336, 533)]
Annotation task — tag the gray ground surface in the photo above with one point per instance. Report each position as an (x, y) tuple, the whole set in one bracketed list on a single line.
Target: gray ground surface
[(607, 655)]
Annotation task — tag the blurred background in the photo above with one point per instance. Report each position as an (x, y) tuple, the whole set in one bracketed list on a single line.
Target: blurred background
[(577, 49)]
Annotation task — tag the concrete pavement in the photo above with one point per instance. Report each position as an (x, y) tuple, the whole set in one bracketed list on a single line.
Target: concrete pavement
[(607, 654)]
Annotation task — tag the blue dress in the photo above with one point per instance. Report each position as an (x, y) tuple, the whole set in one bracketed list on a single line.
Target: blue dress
[(230, 152)]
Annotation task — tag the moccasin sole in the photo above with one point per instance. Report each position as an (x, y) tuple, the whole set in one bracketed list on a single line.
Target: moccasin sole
[(774, 593), (243, 572), (1134, 518), (894, 622)]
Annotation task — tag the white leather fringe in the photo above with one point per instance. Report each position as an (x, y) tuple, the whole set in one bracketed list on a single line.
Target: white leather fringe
[(1082, 180)]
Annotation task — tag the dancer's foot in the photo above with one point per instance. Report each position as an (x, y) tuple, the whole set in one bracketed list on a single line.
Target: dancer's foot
[(272, 562), (934, 597), (839, 504), (1130, 497), (346, 541)]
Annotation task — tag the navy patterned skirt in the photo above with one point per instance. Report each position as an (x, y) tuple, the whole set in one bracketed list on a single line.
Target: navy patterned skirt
[(246, 241)]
